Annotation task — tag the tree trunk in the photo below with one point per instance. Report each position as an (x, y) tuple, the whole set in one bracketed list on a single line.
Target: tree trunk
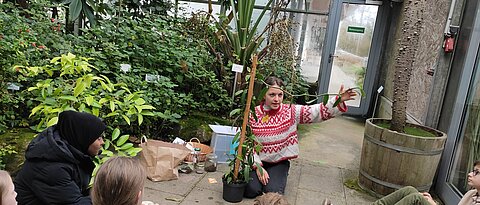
[(407, 47)]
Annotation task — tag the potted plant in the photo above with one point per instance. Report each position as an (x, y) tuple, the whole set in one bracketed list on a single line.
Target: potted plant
[(396, 153), (238, 175), (234, 186)]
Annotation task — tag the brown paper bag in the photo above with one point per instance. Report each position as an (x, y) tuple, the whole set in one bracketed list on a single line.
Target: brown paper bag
[(160, 159)]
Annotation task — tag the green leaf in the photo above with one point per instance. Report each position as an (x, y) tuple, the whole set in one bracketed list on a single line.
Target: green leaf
[(107, 144), (52, 121), (140, 119), (147, 113), (112, 114), (103, 100), (140, 108), (75, 8), (139, 101), (126, 146), (337, 101), (112, 105), (89, 14), (89, 100), (115, 134), (71, 98), (36, 109), (126, 119), (122, 140), (95, 111), (134, 151), (235, 111), (325, 100), (79, 88)]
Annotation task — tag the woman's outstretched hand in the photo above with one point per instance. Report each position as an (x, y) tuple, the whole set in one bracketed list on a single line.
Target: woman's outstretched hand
[(262, 177), (348, 94)]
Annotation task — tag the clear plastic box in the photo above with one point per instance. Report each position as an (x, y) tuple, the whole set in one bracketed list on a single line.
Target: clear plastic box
[(222, 141)]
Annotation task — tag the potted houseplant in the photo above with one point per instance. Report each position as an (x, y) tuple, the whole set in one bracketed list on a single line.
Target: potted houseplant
[(238, 175), (234, 186), (392, 156)]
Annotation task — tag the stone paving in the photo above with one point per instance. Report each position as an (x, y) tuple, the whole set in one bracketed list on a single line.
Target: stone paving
[(330, 153)]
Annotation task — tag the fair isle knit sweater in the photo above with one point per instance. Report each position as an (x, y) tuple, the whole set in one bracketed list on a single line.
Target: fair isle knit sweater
[(277, 129)]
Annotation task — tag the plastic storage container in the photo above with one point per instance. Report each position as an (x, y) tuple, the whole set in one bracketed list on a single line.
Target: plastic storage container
[(222, 141)]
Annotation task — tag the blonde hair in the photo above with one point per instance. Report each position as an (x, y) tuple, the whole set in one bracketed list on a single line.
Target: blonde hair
[(118, 182), (5, 179), (271, 198)]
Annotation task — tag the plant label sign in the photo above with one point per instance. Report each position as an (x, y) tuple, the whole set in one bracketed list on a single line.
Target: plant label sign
[(125, 67), (380, 89), (151, 78), (13, 86), (237, 68)]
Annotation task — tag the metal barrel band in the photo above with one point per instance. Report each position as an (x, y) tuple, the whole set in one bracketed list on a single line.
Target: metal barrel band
[(402, 149), (391, 185)]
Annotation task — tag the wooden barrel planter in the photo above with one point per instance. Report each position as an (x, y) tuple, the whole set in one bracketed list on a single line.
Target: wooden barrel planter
[(392, 160)]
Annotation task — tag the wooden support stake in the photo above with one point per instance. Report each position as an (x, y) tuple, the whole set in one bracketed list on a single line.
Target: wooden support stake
[(245, 117)]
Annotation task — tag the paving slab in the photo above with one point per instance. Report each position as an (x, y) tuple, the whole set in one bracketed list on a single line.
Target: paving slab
[(313, 197), (329, 156)]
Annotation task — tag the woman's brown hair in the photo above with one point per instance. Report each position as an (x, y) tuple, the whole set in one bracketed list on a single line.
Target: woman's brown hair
[(118, 182)]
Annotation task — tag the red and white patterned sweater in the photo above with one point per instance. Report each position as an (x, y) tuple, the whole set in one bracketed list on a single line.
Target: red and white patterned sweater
[(277, 129)]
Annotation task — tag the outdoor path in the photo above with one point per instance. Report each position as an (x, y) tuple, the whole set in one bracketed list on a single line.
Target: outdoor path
[(329, 156)]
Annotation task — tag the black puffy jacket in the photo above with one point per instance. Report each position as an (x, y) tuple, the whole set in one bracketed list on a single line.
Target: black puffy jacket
[(54, 172)]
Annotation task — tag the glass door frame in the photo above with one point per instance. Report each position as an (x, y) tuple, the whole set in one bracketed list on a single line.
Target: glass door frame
[(373, 64), (465, 60)]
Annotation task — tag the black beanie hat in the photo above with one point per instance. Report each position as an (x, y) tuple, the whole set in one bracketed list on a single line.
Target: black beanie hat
[(80, 129)]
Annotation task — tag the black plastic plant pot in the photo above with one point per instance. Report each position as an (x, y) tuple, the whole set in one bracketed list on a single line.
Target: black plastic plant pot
[(233, 192)]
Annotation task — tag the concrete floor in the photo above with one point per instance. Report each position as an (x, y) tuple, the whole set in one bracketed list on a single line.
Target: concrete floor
[(329, 156)]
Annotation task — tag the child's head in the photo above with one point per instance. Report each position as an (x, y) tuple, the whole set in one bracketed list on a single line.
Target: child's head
[(119, 181), (474, 176), (271, 198), (7, 190)]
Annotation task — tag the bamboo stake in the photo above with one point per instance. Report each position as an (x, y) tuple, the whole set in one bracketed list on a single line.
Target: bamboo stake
[(245, 117)]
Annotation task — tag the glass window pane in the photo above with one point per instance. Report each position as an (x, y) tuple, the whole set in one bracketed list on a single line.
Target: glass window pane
[(311, 45), (186, 8), (468, 146), (311, 5), (352, 49)]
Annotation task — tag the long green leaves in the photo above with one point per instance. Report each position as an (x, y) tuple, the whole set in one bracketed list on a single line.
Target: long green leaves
[(243, 39)]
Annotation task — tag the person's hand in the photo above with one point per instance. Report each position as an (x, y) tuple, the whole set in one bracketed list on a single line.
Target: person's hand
[(348, 94), (263, 176), (429, 198)]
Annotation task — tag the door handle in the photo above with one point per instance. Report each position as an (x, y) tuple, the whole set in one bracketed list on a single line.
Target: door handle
[(330, 57)]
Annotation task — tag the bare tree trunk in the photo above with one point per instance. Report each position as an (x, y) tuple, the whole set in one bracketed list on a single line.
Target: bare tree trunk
[(407, 47)]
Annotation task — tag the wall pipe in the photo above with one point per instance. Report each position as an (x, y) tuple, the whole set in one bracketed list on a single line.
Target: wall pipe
[(449, 19)]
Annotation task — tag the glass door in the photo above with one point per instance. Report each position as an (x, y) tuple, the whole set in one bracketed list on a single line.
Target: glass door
[(350, 55), (460, 115)]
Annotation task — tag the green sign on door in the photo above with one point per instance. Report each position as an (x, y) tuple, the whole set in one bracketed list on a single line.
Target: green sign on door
[(356, 29)]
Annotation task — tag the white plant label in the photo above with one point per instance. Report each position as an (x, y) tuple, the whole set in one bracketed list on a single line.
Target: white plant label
[(151, 78), (237, 68), (13, 86), (380, 89), (125, 67)]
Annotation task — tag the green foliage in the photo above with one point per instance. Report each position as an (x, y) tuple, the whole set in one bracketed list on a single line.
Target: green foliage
[(5, 151), (249, 147), (74, 86), (23, 41), (241, 42), (156, 45)]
